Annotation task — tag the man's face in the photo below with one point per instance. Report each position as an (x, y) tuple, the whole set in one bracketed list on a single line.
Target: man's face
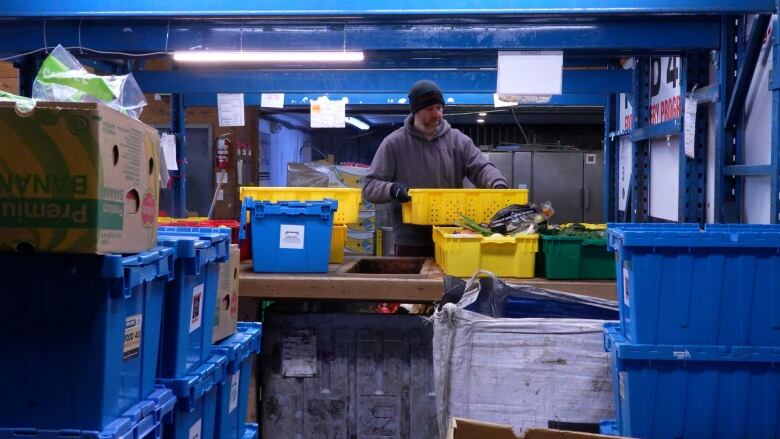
[(430, 117)]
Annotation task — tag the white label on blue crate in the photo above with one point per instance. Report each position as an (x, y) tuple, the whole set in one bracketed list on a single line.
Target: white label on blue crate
[(234, 391), (195, 430), (291, 236), (132, 346), (626, 285), (196, 315), (682, 355)]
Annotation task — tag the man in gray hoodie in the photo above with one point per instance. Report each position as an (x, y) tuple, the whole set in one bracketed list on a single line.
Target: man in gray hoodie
[(425, 153)]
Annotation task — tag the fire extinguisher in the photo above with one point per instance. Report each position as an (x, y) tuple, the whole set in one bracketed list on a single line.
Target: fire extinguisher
[(223, 151)]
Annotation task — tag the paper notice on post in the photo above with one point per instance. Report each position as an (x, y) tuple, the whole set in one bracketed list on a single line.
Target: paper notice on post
[(328, 114), (272, 100), (230, 107), (299, 353), (530, 73), (689, 126), (168, 143)]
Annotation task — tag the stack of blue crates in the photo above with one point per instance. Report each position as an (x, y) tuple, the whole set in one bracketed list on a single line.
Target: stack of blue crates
[(233, 394), (79, 344), (697, 349), (210, 382), (120, 346), (186, 364)]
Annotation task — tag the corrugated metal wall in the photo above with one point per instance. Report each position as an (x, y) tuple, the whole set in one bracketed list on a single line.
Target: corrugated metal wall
[(339, 376)]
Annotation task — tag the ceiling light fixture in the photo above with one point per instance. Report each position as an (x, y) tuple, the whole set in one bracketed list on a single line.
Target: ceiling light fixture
[(482, 114), (217, 56), (480, 120), (354, 121)]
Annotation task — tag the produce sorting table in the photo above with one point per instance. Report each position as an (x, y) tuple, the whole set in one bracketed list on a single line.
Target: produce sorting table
[(346, 282)]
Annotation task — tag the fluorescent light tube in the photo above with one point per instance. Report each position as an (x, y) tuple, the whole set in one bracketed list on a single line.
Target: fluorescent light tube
[(266, 56), (357, 123)]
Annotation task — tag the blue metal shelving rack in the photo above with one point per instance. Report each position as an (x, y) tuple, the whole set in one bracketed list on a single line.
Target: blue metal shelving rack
[(462, 36)]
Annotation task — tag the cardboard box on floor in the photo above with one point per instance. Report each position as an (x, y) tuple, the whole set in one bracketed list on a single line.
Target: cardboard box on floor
[(461, 428), (77, 178), (226, 315)]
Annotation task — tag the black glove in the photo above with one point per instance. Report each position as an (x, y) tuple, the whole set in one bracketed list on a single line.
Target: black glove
[(500, 186), (400, 192)]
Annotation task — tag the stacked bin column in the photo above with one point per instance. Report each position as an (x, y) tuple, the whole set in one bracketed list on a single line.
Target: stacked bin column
[(697, 349), (79, 343), (187, 366)]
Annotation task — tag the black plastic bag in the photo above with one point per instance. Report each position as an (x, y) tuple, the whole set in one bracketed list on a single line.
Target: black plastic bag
[(496, 298)]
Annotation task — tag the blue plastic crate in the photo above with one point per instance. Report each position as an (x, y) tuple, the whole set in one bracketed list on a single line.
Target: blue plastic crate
[(681, 285), (676, 391), (608, 428), (251, 431), (188, 320), (290, 236), (139, 421), (79, 331), (233, 394), (196, 405)]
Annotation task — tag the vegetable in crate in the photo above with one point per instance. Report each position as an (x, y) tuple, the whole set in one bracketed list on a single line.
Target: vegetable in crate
[(470, 224), (518, 218), (577, 230), (580, 231)]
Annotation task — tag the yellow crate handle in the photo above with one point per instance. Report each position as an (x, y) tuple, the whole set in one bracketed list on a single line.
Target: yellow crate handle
[(498, 240)]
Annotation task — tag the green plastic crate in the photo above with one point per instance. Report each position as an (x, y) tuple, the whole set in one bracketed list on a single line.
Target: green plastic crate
[(571, 257)]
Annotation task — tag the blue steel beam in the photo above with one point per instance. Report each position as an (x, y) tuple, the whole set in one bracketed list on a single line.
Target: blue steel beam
[(367, 8), (708, 94), (374, 60), (640, 149), (663, 129), (697, 71), (144, 36), (400, 99), (749, 170), (178, 128), (774, 180), (360, 81), (682, 159), (737, 148), (610, 158), (725, 189), (746, 68)]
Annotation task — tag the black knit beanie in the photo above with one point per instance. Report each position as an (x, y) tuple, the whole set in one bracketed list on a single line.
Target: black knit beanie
[(423, 94)]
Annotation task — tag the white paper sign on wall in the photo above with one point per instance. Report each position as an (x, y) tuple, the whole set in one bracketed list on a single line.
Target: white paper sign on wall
[(664, 89), (272, 100), (690, 127), (230, 107), (625, 151), (328, 114), (530, 73), (665, 105)]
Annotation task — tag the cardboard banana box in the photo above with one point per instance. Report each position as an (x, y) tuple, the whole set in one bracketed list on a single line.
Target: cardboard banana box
[(77, 178)]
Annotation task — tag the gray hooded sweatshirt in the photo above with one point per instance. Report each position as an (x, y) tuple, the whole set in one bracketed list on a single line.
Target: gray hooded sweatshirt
[(407, 156)]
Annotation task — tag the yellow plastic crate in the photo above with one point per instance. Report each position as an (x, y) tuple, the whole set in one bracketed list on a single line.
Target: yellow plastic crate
[(507, 256), (338, 237), (348, 198), (441, 206)]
